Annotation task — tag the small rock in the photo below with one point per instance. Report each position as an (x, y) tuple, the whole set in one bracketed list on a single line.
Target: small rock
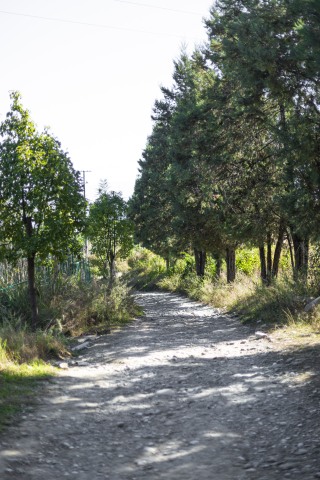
[(301, 451), (120, 424), (165, 392), (151, 450), (310, 306), (286, 466), (81, 347), (63, 365), (82, 364), (260, 334), (66, 444)]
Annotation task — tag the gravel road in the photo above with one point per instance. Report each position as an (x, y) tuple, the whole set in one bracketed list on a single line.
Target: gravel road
[(185, 392)]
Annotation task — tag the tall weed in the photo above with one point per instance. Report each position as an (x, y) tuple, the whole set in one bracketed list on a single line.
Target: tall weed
[(67, 307)]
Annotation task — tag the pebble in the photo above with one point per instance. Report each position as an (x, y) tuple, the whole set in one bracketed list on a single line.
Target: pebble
[(286, 466), (302, 451), (63, 366), (165, 392), (82, 346)]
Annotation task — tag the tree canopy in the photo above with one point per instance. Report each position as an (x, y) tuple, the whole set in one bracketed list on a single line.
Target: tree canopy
[(234, 153), (42, 209), (110, 230)]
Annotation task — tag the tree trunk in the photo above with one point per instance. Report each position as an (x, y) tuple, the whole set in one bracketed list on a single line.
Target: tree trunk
[(33, 292), (203, 258), (112, 269), (277, 252), (168, 263), (269, 258), (200, 259), (306, 256), (196, 259), (263, 264), (301, 254), (231, 265), (298, 246)]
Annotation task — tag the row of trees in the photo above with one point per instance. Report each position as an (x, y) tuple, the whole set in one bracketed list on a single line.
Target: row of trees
[(234, 153), (42, 208)]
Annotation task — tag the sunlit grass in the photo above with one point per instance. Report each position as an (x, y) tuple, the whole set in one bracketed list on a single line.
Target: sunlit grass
[(18, 386)]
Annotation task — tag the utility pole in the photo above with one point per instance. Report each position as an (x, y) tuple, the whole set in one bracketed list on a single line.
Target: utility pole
[(84, 195)]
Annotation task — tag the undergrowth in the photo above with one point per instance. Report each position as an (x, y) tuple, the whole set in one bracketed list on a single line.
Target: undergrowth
[(280, 303), (68, 307)]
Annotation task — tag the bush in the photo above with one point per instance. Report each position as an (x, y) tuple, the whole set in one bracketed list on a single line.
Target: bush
[(247, 261), (67, 306)]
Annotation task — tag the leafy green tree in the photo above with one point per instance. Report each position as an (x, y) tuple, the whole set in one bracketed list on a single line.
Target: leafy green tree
[(110, 230), (42, 210), (240, 160), (271, 49), (150, 205)]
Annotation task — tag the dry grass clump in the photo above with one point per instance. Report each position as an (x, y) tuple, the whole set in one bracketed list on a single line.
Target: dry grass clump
[(27, 347), (143, 269), (70, 306), (18, 344), (217, 293), (92, 306), (67, 307)]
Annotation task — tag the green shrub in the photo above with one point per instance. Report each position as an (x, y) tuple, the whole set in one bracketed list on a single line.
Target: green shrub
[(247, 261)]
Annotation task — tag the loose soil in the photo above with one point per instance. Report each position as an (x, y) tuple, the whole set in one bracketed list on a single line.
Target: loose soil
[(185, 392)]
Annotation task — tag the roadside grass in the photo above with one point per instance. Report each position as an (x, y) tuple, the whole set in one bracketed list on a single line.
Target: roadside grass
[(301, 333), (279, 306), (81, 308), (68, 308), (143, 269), (18, 387)]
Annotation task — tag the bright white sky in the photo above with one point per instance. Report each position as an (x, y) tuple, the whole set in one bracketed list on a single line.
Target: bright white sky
[(95, 87)]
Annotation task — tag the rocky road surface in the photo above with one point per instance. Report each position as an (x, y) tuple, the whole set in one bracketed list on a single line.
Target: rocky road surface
[(185, 392)]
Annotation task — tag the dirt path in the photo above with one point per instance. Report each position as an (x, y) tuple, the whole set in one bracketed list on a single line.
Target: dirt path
[(182, 393)]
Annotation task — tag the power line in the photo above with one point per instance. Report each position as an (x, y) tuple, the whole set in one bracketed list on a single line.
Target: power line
[(159, 8), (96, 25)]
